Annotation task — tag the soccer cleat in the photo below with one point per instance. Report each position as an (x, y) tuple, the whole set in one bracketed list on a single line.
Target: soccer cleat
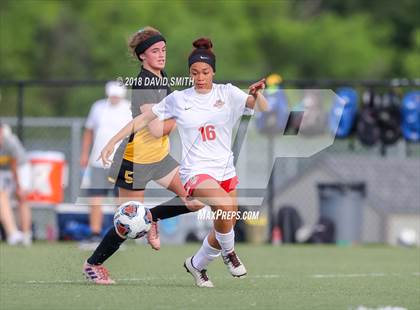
[(234, 265), (200, 277), (153, 236), (97, 274)]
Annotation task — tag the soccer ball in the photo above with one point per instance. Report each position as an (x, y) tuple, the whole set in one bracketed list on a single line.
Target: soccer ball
[(132, 220)]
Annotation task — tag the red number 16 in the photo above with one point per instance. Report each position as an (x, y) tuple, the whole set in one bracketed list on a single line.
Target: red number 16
[(207, 132)]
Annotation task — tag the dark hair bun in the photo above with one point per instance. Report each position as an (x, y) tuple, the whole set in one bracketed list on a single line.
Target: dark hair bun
[(203, 43)]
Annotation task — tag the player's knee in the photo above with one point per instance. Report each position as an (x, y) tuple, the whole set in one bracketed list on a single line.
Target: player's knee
[(224, 204), (229, 203)]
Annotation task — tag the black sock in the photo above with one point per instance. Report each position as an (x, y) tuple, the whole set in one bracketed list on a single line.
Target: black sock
[(108, 246), (171, 208)]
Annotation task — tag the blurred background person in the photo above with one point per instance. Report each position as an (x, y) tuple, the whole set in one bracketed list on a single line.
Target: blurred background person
[(106, 117), (14, 183)]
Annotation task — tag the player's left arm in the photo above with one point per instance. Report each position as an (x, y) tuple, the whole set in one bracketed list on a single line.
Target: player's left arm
[(256, 98), (136, 124)]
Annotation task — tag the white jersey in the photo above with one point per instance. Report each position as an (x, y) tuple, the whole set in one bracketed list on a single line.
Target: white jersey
[(106, 119), (205, 123)]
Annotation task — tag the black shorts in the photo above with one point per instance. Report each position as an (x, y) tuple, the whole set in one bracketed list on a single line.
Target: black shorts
[(135, 177), (101, 192)]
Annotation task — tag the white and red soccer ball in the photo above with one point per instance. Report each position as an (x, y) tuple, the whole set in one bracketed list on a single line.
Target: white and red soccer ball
[(132, 220)]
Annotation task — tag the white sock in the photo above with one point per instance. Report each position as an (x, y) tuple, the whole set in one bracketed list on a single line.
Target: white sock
[(205, 255), (226, 241), (15, 238), (27, 239)]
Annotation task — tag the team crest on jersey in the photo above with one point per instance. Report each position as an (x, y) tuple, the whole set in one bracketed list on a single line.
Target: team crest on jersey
[(219, 104), (129, 210)]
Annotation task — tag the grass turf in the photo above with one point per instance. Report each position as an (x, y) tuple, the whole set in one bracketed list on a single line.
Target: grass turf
[(48, 276)]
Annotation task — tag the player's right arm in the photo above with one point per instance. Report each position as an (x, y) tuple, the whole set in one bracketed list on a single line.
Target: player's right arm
[(88, 134), (156, 127), (86, 144), (163, 110)]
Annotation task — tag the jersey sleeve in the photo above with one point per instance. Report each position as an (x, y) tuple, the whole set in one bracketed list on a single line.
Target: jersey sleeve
[(165, 108), (238, 100)]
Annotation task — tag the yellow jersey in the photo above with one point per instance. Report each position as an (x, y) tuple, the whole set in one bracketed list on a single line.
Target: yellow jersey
[(143, 147)]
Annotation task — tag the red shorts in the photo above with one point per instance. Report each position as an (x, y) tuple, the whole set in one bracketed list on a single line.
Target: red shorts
[(228, 185)]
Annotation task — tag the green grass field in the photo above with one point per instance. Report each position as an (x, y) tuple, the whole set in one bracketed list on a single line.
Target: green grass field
[(48, 276)]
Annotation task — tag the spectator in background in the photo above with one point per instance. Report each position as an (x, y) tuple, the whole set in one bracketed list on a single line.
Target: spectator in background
[(14, 181), (105, 119)]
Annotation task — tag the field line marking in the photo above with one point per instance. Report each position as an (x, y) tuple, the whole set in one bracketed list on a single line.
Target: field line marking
[(53, 282), (257, 276), (360, 275)]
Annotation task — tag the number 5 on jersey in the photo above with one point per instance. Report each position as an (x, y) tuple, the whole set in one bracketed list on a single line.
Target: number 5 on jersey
[(208, 133)]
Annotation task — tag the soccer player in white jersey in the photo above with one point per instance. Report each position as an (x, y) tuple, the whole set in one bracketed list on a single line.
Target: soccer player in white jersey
[(205, 115)]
